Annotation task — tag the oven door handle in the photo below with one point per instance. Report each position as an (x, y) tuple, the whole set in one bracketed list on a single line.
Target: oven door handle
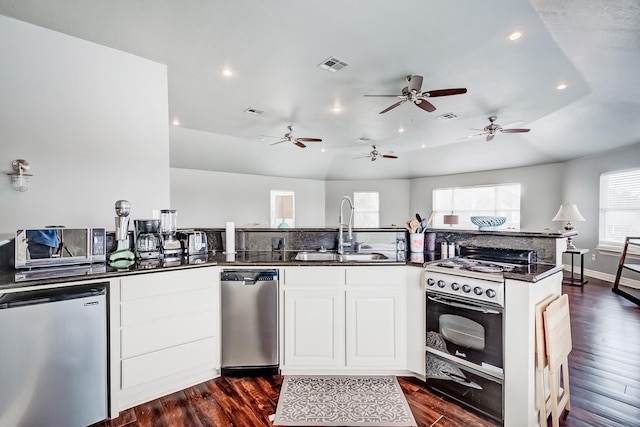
[(463, 381), (462, 305)]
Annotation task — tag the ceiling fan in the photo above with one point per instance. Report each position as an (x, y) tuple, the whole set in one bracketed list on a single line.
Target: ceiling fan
[(412, 93), (374, 154), (493, 128), (297, 141)]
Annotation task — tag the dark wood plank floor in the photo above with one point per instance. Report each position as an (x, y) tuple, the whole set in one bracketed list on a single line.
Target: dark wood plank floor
[(604, 369)]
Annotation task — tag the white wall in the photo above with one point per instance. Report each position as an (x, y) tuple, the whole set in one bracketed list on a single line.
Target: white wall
[(581, 180), (210, 199), (539, 201), (394, 199), (93, 123)]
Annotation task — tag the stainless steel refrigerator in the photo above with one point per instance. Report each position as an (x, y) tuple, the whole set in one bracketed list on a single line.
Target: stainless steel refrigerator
[(53, 357)]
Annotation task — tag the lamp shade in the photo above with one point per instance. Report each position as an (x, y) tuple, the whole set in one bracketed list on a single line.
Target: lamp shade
[(450, 219), (568, 212)]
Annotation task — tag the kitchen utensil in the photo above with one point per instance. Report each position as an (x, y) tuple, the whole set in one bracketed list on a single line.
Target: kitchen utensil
[(414, 225), (418, 217), (433, 213), (408, 225), (423, 224)]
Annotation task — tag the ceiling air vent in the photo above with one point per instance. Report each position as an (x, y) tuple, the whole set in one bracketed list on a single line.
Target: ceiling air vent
[(332, 64), (447, 116), (254, 111)]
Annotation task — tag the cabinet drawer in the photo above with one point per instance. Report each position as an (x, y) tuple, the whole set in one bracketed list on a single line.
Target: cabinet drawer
[(165, 306), (152, 366), (377, 275), (314, 276), (154, 284), (149, 337)]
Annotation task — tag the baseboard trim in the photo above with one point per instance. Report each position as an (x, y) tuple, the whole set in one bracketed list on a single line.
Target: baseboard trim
[(624, 281)]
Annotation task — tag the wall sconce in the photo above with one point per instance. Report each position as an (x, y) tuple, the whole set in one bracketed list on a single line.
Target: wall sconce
[(20, 179), (568, 212)]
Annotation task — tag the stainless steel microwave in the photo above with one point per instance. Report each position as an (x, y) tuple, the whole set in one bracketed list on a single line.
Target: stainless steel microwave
[(58, 246)]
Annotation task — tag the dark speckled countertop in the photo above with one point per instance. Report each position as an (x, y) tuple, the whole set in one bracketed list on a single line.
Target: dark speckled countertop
[(531, 273)]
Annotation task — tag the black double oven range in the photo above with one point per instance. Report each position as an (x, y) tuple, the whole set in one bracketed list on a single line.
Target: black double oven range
[(465, 301)]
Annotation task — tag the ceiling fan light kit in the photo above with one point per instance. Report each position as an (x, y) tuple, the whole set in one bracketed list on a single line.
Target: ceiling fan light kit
[(296, 141), (412, 92), (374, 154)]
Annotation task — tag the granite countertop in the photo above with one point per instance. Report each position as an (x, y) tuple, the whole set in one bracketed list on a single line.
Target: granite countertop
[(46, 276)]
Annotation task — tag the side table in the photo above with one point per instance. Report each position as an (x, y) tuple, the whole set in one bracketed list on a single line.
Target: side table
[(576, 281)]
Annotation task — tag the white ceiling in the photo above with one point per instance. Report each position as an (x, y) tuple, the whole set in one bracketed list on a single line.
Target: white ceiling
[(274, 48)]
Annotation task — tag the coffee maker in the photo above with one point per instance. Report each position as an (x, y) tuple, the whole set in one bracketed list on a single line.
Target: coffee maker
[(171, 246), (147, 239)]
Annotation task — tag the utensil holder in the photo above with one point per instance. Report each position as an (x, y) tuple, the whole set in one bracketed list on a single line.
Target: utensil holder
[(416, 242)]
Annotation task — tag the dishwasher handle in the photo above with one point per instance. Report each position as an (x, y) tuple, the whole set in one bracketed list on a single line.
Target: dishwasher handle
[(45, 296)]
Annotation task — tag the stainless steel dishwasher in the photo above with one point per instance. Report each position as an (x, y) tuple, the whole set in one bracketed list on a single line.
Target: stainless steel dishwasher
[(53, 357), (249, 306)]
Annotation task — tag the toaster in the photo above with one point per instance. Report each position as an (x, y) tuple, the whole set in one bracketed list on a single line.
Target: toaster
[(193, 242)]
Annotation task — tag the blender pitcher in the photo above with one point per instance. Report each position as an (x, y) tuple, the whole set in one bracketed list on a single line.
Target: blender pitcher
[(169, 221)]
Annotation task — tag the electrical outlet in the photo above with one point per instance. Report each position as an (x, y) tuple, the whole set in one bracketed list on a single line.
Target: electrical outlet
[(593, 257)]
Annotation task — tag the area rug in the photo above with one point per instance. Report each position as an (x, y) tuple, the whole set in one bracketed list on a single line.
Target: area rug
[(342, 401)]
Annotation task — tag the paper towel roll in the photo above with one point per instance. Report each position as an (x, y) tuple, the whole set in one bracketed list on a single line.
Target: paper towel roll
[(231, 238)]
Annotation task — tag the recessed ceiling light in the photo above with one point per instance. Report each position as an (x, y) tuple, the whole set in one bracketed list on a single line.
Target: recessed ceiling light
[(322, 150), (561, 86), (175, 122), (227, 72), (401, 130), (423, 146), (337, 109), (514, 35)]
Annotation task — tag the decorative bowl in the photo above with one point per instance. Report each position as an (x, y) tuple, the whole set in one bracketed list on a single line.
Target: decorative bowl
[(488, 222)]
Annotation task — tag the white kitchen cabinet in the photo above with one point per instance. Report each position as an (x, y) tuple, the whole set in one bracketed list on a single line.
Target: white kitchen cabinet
[(169, 332), (375, 317), (416, 328), (314, 328), (374, 328), (344, 319)]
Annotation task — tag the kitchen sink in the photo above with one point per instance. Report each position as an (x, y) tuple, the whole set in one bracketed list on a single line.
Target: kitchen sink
[(331, 256)]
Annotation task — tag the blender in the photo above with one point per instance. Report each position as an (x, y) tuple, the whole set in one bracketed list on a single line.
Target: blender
[(122, 257), (171, 246)]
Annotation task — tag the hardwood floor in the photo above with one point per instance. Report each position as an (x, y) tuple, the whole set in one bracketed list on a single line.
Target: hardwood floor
[(604, 369)]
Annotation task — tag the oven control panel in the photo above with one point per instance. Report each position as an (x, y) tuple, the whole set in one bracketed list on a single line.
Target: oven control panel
[(466, 287)]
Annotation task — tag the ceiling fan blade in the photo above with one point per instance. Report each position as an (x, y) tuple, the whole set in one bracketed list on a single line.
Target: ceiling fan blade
[(386, 96), (362, 157), (444, 92), (393, 106), (471, 136), (309, 139), (278, 142), (299, 144), (515, 130), (389, 156), (425, 105), (490, 137)]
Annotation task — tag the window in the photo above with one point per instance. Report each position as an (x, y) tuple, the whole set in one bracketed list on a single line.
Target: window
[(495, 200), (619, 206), (367, 209)]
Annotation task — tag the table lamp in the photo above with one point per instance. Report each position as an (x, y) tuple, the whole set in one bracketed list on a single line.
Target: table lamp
[(568, 212), (450, 219), (284, 209)]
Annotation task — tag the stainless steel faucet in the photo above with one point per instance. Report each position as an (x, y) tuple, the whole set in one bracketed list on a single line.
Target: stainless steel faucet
[(341, 243)]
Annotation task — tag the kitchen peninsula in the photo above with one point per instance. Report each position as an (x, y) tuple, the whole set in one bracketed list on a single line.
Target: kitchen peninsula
[(165, 326)]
